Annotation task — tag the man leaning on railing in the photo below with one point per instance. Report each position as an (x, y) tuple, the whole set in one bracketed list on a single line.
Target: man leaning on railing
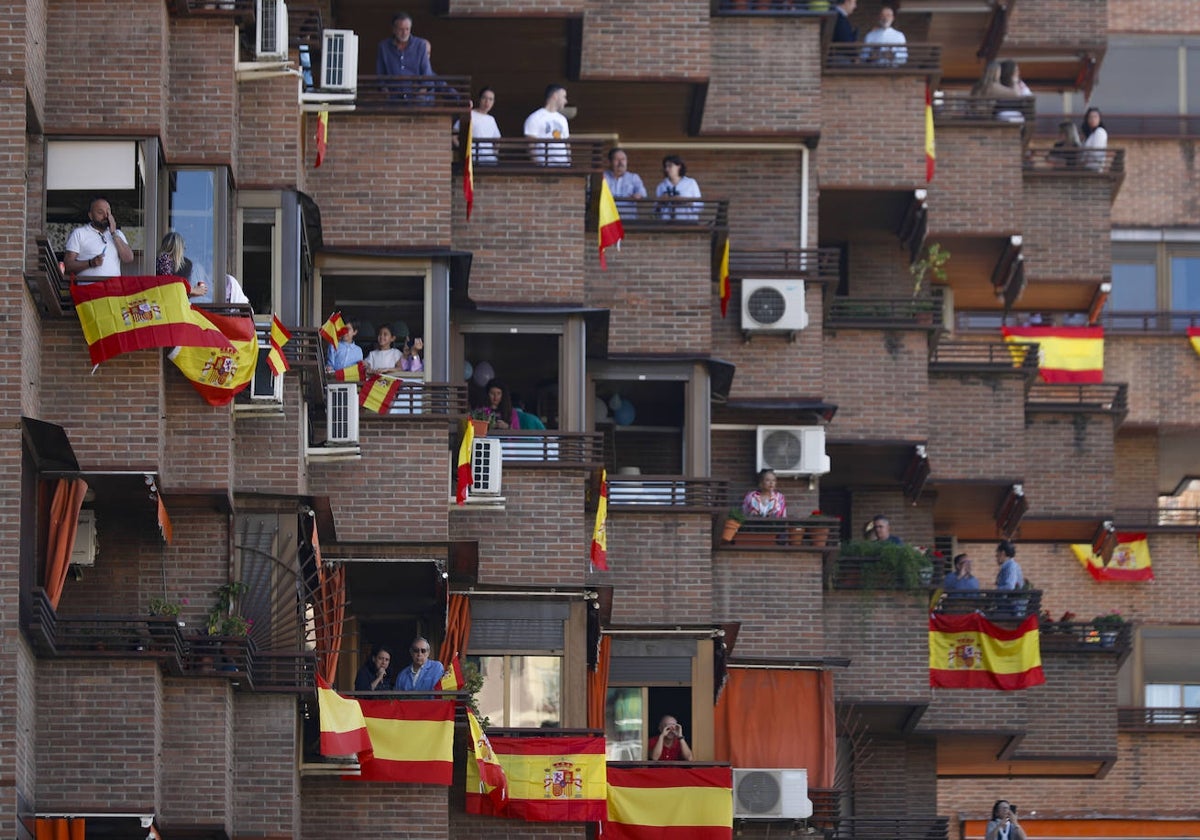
[(403, 54)]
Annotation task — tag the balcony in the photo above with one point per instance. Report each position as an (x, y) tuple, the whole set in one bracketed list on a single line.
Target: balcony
[(239, 10), (1078, 163), (996, 604), (770, 8), (522, 156), (679, 493), (804, 533), (286, 672), (1086, 637), (48, 285), (1143, 719), (885, 313), (872, 60), (814, 265), (417, 399), (1099, 398), (1141, 126), (532, 449), (980, 357), (670, 215), (1149, 323), (889, 828), (413, 95), (1158, 519), (957, 108)]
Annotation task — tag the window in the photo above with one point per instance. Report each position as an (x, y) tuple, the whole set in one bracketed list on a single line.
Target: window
[(198, 204), (1155, 271), (273, 263), (1172, 696), (258, 263), (527, 362), (1170, 677), (521, 690), (647, 679)]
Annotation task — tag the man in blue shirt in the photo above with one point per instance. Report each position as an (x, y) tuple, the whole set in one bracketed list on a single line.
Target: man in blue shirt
[(1009, 577), (623, 183), (404, 54), (425, 673)]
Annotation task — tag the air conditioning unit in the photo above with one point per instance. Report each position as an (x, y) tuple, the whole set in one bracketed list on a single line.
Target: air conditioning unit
[(341, 413), (773, 306), (792, 450), (84, 552), (486, 464), (339, 60), (270, 30), (771, 794)]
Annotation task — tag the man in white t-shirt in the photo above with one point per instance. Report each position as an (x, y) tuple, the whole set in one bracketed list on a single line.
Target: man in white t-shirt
[(97, 249), (548, 123), (883, 39)]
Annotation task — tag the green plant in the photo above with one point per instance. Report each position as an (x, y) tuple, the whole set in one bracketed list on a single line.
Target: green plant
[(887, 565), (473, 683), (163, 607), (1109, 621), (221, 615), (736, 514), (932, 264), (488, 415)]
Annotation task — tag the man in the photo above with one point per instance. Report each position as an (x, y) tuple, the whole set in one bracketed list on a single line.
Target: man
[(372, 676), (623, 183), (97, 249), (403, 54), (1009, 576), (888, 56), (669, 744), (548, 123), (961, 579), (425, 673), (883, 530), (843, 32)]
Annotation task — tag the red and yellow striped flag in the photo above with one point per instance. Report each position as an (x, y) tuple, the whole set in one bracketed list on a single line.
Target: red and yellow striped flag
[(453, 680), (279, 337), (343, 728), (322, 137), (220, 374), (122, 314), (930, 144), (669, 803), (485, 775), (1068, 354), (465, 479), (378, 394), (469, 168), (549, 779), (333, 328), (1194, 338), (600, 531), (723, 279), (611, 230), (968, 651), (1130, 559), (354, 373), (411, 741)]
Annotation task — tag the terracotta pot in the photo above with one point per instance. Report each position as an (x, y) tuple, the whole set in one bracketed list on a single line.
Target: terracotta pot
[(820, 536), (480, 427), (796, 536), (731, 528)]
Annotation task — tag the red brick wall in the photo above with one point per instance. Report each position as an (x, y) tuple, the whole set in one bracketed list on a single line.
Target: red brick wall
[(886, 635), (515, 8), (1135, 455), (19, 731), (763, 189), (1161, 182), (113, 586), (1066, 227), (197, 752), (659, 293), (192, 566), (330, 807), (645, 39), (269, 448), (266, 794), (1058, 24), (879, 381), (276, 142), (202, 117), (1167, 17), (878, 266), (978, 186), (978, 426), (1069, 466), (1162, 374), (873, 132), (113, 417), (33, 44), (123, 90), (401, 199), (913, 524), (751, 586), (526, 234), (750, 57), (198, 452), (31, 356), (896, 777)]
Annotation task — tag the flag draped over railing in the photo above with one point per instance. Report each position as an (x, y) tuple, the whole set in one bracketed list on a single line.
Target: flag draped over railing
[(669, 802), (220, 374), (411, 741), (550, 779), (1068, 354), (969, 651)]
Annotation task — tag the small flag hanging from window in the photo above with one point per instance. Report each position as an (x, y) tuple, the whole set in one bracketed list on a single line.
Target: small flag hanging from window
[(279, 337)]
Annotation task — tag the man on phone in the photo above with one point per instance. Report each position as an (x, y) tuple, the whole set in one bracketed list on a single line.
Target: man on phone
[(98, 248), (669, 744)]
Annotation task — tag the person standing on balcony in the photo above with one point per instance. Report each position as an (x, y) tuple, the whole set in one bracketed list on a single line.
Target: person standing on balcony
[(765, 500), (883, 37), (623, 183), (883, 530), (549, 123), (1004, 825), (403, 54), (843, 31), (347, 353), (424, 673), (97, 249), (373, 675), (677, 184), (1009, 576), (669, 744), (1095, 139), (484, 127), (961, 579)]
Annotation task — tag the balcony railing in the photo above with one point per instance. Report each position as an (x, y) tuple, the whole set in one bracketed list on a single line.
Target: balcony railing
[(1147, 126), (816, 265), (1075, 636), (1075, 161), (239, 9), (305, 352), (1144, 719), (416, 95), (1164, 322), (811, 533), (1154, 519), (417, 398), (120, 637), (1083, 398), (907, 312), (522, 156), (677, 492), (955, 107), (884, 59), (218, 656), (771, 8), (283, 671), (890, 828), (49, 286), (979, 356), (826, 806), (538, 448), (41, 622), (672, 215), (996, 604)]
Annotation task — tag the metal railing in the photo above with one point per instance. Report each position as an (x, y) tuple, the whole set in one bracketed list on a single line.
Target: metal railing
[(213, 8), (1075, 636), (1078, 397), (50, 286), (1160, 322), (283, 671), (537, 448), (413, 95), (522, 156), (120, 637), (826, 806), (813, 533), (1146, 719), (1041, 158), (218, 656), (890, 312), (819, 265), (998, 604), (953, 107), (676, 492), (673, 215), (771, 8), (884, 59), (1145, 519), (890, 828), (845, 571), (1148, 126), (42, 622), (416, 398), (983, 356)]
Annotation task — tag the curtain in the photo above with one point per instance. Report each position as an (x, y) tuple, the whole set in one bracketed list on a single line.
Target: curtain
[(769, 718), (60, 828), (60, 539), (597, 687), (458, 629), (329, 611)]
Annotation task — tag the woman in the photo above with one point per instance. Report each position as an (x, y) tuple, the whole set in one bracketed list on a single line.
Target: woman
[(497, 408), (171, 261), (1003, 825), (1007, 107), (677, 184), (1095, 139), (1066, 147), (1010, 77), (766, 500), (483, 126)]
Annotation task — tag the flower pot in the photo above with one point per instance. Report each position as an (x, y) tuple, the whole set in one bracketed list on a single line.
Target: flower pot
[(480, 427), (819, 537), (1108, 638), (731, 528), (796, 536)]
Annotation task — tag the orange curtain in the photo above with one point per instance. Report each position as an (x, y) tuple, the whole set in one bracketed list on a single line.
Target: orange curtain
[(60, 828), (458, 629), (329, 611), (597, 688), (769, 718), (60, 542)]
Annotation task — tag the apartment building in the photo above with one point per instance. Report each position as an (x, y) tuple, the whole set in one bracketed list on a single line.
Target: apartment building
[(872, 387)]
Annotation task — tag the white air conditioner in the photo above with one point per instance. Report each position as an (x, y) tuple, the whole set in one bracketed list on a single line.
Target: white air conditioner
[(84, 552), (339, 59), (486, 467), (341, 413), (270, 30), (773, 306), (792, 450), (771, 794)]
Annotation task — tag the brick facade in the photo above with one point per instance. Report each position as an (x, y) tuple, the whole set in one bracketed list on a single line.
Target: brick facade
[(1069, 467), (879, 381), (872, 132), (1065, 227), (984, 430), (624, 39), (971, 193)]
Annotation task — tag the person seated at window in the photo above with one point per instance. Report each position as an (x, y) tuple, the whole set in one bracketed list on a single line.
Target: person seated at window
[(1066, 147), (497, 408), (424, 673), (765, 500), (677, 184), (961, 579), (883, 530), (171, 261), (347, 353), (669, 744), (387, 358), (373, 675)]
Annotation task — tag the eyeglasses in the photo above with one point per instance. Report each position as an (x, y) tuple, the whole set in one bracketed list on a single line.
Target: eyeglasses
[(420, 650)]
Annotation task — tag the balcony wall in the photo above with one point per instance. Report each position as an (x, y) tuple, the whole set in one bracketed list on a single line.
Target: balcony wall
[(1166, 178), (763, 189), (796, 367), (526, 235), (776, 595), (1068, 464), (114, 418), (872, 132), (1163, 377), (269, 448), (1057, 25), (197, 752), (977, 189), (1066, 226), (977, 425), (271, 135), (749, 57), (330, 807), (896, 776), (266, 794), (890, 403), (203, 118), (653, 39), (886, 635), (401, 198), (198, 452)]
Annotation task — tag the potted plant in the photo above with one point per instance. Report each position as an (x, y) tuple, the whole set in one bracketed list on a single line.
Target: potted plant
[(221, 615), (819, 534), (932, 264), (733, 522), (884, 565), (481, 420), (162, 608), (1109, 626)]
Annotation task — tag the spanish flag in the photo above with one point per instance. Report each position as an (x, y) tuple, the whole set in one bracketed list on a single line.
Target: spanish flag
[(465, 479), (1130, 559), (378, 394), (485, 775), (600, 531), (723, 280), (354, 373), (343, 728), (669, 803), (469, 168), (279, 337), (1068, 354), (968, 651), (453, 680), (549, 779), (220, 374), (1194, 338), (930, 145), (322, 137), (411, 741), (122, 314), (333, 328), (611, 229)]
